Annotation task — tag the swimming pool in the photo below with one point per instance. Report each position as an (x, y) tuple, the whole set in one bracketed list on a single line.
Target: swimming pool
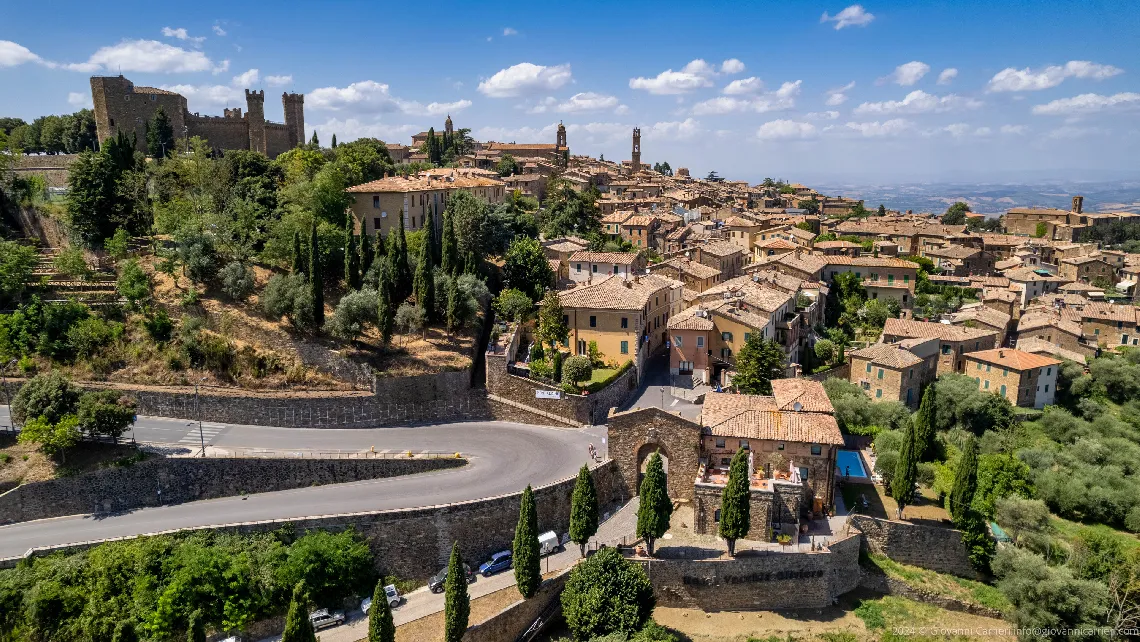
[(851, 464)]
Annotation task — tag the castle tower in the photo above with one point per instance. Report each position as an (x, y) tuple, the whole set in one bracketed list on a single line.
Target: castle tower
[(448, 130), (255, 117), (294, 107), (1078, 204), (636, 154)]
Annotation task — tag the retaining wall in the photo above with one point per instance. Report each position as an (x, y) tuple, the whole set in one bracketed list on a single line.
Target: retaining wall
[(929, 547), (881, 583), (162, 481), (514, 620)]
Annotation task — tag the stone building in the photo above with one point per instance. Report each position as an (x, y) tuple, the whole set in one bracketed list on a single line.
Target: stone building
[(120, 105), (378, 203), (585, 266), (1086, 269), (954, 341), (890, 372), (1025, 379)]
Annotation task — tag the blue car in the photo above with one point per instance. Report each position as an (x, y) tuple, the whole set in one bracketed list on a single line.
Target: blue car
[(500, 561)]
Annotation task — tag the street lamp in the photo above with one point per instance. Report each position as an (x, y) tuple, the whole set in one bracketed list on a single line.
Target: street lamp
[(198, 408)]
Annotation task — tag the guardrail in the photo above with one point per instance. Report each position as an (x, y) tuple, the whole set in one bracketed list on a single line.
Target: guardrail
[(263, 453)]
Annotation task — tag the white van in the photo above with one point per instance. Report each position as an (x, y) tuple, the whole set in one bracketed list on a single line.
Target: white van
[(548, 543)]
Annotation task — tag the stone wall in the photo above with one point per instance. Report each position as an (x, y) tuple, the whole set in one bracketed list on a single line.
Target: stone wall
[(35, 225), (762, 581), (162, 481), (882, 583), (635, 434), (929, 547), (54, 168), (415, 543), (514, 620), (779, 507)]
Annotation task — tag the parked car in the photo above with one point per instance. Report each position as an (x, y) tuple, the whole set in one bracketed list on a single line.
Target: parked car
[(548, 543), (500, 561), (393, 596), (437, 580), (324, 617)]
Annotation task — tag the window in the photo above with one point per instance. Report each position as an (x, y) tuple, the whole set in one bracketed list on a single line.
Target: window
[(1048, 371), (780, 447), (725, 353), (880, 373), (593, 321), (866, 385), (978, 380), (816, 449), (677, 342), (1046, 388), (376, 225), (594, 268), (1005, 372), (987, 367), (726, 336), (1003, 390), (890, 279), (566, 319), (868, 366), (909, 394), (744, 444), (625, 347), (979, 365), (112, 122), (578, 268), (946, 349), (725, 461), (700, 342), (376, 201), (1096, 331), (720, 443), (987, 386), (716, 516), (879, 393), (747, 336), (625, 324), (581, 347), (1124, 339)]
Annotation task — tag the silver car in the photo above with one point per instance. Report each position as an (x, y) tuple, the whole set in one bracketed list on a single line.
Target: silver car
[(324, 618)]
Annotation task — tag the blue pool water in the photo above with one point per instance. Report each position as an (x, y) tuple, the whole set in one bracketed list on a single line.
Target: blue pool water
[(850, 463)]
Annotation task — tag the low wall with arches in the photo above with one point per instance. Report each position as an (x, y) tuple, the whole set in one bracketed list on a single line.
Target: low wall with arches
[(636, 434)]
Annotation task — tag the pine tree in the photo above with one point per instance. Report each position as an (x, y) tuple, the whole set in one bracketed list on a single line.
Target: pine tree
[(735, 510), (299, 257), (351, 256), (334, 141), (385, 308), (314, 142), (316, 276), (381, 628), (452, 303), (965, 482), (906, 471), (449, 247), (524, 549), (298, 628), (196, 630), (456, 601), (583, 508), (926, 424), (424, 284), (366, 255), (655, 507)]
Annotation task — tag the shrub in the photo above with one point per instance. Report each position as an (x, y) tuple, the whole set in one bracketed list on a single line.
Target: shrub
[(514, 305), (410, 318), (575, 369), (53, 437), (606, 594), (133, 284), (71, 263), (237, 281), (49, 395), (90, 335), (356, 311), (288, 296), (105, 413), (198, 255), (159, 326)]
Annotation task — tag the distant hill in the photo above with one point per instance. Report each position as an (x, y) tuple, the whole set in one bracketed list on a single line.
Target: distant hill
[(991, 198)]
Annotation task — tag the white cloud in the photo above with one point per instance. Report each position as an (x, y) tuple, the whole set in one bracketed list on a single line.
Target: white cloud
[(12, 54), (181, 34), (907, 74), (1071, 131), (853, 16), (507, 31), (525, 134), (578, 103), (352, 128), (838, 96), (1014, 130), (785, 130), (77, 99), (147, 56), (919, 102), (209, 95), (731, 66), (221, 68), (744, 86), (822, 115), (621, 110), (782, 98), (947, 75), (684, 130), (1010, 79), (439, 109), (1087, 104), (694, 75), (218, 31), (875, 129), (248, 79), (525, 78), (957, 130), (363, 96), (278, 81)]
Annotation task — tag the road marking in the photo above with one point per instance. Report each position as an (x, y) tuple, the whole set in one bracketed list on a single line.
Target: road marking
[(208, 433), (673, 404)]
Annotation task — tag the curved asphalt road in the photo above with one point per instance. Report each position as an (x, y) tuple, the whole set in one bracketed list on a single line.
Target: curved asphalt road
[(503, 458)]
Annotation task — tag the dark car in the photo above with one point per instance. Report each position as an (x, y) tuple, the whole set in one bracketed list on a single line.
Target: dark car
[(500, 561), (437, 580)]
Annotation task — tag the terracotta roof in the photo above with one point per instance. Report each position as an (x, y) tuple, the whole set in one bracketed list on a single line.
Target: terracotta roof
[(613, 258), (720, 248), (1041, 346), (831, 245), (887, 354), (777, 244), (1012, 359), (925, 329), (953, 252), (1078, 260), (615, 293), (869, 261), (566, 246), (991, 281), (638, 221), (807, 263), (1035, 318), (692, 268), (810, 395), (982, 314), (779, 280), (155, 90), (688, 319), (758, 417), (999, 294), (418, 184), (1110, 312), (617, 217), (737, 221), (1007, 264), (1028, 275), (802, 234), (753, 293)]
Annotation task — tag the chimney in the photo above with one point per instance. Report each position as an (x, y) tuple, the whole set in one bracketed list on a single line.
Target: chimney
[(1078, 204)]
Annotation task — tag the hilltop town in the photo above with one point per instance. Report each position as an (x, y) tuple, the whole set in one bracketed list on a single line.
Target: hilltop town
[(720, 397)]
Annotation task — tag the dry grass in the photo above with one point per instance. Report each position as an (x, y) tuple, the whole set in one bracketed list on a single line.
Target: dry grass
[(24, 463), (430, 628)]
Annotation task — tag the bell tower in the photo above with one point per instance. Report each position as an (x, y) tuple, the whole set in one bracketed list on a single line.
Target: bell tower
[(447, 127), (636, 154)]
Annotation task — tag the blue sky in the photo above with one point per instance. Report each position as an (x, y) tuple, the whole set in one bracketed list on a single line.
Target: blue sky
[(808, 91)]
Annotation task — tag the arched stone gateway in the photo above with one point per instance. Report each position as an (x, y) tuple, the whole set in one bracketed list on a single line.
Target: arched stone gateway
[(635, 435), (643, 455)]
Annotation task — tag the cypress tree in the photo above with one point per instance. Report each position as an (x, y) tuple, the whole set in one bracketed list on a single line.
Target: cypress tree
[(298, 256), (735, 510), (583, 508), (196, 631), (366, 255), (398, 261), (655, 507), (316, 277), (314, 141), (334, 141), (298, 628), (351, 257), (965, 483), (556, 365), (906, 470), (456, 601), (926, 424), (431, 145), (431, 239), (452, 304), (125, 632), (449, 247), (424, 284), (386, 308), (524, 550), (381, 628), (379, 250)]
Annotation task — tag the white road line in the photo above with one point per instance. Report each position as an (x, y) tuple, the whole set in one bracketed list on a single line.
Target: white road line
[(674, 403)]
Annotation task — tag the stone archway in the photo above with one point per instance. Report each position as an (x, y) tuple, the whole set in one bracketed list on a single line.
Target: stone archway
[(643, 454), (634, 435)]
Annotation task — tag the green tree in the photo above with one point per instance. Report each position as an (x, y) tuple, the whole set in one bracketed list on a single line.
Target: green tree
[(882, 210), (508, 166), (298, 628), (125, 632), (607, 594), (315, 142), (469, 215), (160, 135), (456, 601), (351, 256), (133, 284), (575, 369), (334, 141), (811, 206), (367, 254), (514, 305), (299, 257), (527, 267), (926, 425), (568, 211), (16, 265), (757, 364), (655, 507), (735, 510), (54, 438), (552, 328), (453, 304), (965, 482), (105, 413), (196, 629), (316, 275), (449, 248), (49, 395), (118, 245), (381, 627), (424, 283), (398, 263), (583, 510), (91, 203), (906, 471), (956, 214), (524, 549), (386, 308)]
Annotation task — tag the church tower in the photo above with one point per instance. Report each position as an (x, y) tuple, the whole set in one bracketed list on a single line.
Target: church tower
[(447, 127), (560, 142), (636, 154)]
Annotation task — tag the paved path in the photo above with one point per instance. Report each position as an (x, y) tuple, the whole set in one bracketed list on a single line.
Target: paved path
[(656, 390), (422, 602), (503, 458)]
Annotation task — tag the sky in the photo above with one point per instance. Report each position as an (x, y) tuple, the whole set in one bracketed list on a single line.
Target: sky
[(806, 91)]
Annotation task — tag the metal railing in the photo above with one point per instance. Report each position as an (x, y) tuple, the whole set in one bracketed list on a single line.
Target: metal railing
[(264, 453)]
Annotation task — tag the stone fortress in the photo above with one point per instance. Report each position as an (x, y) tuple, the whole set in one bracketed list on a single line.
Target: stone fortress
[(120, 105)]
